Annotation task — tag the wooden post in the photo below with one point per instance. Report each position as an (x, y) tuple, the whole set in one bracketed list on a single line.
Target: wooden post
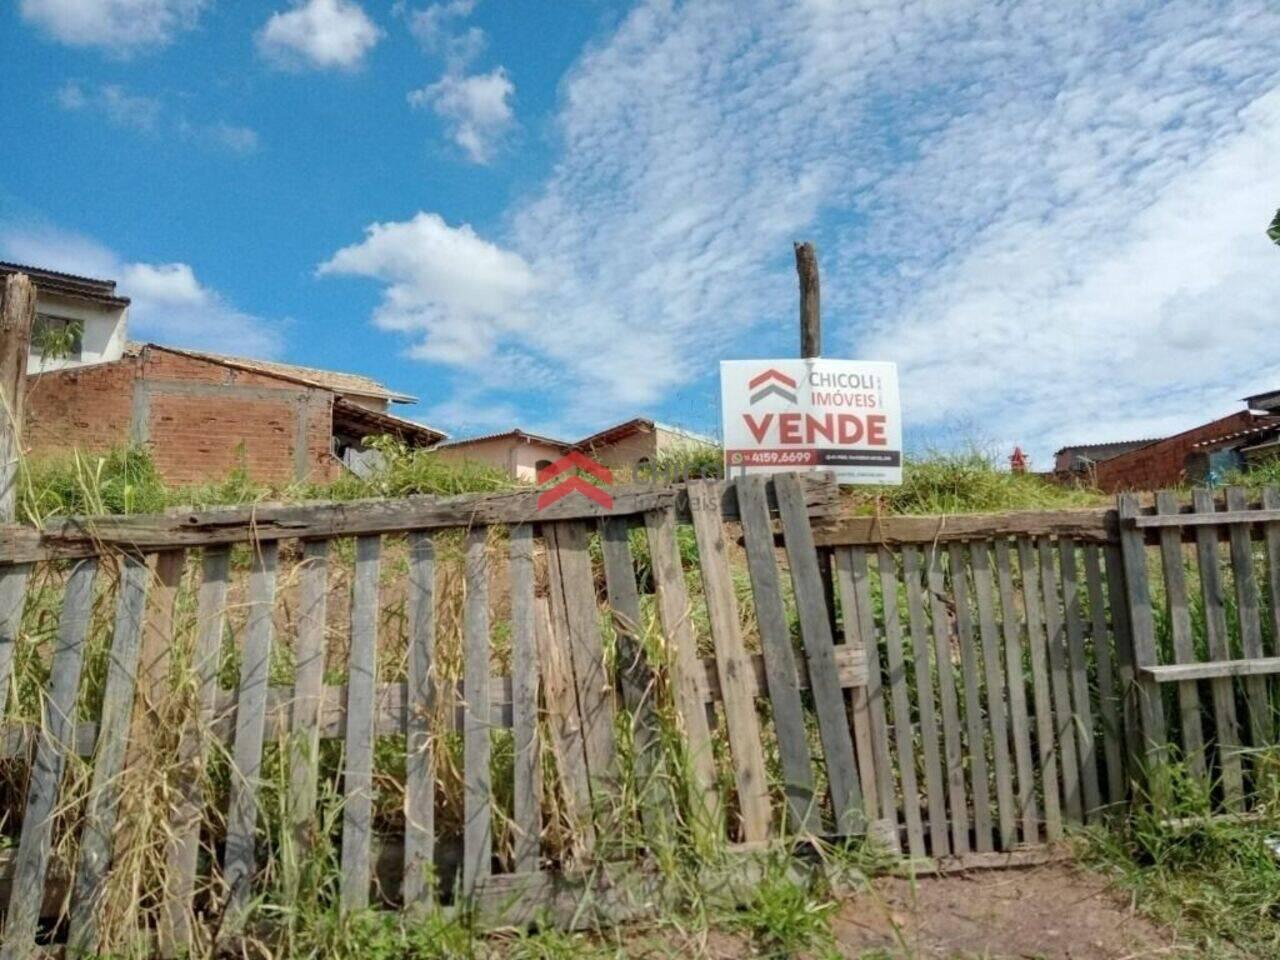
[(17, 316), (810, 310)]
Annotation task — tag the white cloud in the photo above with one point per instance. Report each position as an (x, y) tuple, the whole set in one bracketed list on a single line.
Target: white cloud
[(435, 27), (148, 115), (231, 137), (1051, 216), (455, 292), (325, 34), (170, 305), (119, 26), (477, 109)]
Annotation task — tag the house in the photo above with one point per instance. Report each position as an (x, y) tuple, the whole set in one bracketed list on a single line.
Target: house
[(636, 445), (200, 414), (518, 454), (1197, 455), (626, 448)]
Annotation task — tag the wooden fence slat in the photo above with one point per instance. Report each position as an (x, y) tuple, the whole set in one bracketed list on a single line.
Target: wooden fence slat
[(1270, 535), (860, 703), (527, 761), (939, 845), (308, 691), (903, 729), (1108, 703), (420, 711), (973, 720), (985, 593), (13, 596), (113, 726), (1248, 608), (1060, 681), (635, 675), (576, 623), (1078, 670), (855, 584), (1019, 722), (1175, 581), (689, 680), (477, 842), (1143, 631), (55, 744), (951, 731), (1126, 677), (251, 708), (740, 714), (1042, 689), (813, 610), (1218, 644), (779, 657), (183, 843)]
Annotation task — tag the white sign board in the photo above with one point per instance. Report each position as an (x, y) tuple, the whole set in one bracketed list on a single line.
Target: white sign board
[(838, 415)]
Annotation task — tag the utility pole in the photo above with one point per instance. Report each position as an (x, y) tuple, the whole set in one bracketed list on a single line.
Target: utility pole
[(810, 307)]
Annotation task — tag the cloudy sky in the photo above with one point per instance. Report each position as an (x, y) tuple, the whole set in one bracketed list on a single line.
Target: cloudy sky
[(563, 212)]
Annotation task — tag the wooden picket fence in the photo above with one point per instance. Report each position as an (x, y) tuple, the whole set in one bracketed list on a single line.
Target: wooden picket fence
[(962, 689)]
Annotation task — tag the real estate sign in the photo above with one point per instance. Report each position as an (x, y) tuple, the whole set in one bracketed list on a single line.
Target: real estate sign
[(838, 415)]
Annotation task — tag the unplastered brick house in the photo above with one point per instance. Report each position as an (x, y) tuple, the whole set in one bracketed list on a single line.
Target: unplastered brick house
[(200, 414)]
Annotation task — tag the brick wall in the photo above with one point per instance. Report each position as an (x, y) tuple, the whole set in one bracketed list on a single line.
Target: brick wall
[(1161, 464), (201, 420)]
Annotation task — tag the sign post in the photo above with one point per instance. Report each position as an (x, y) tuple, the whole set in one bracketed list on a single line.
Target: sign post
[(842, 416)]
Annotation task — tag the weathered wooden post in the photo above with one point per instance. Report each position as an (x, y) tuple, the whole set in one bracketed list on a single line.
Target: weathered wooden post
[(810, 307), (17, 315)]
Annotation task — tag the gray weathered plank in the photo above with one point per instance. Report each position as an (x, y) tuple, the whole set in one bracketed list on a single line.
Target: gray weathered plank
[(1248, 609), (113, 726), (1078, 669), (13, 595), (1126, 678), (527, 762), (939, 845), (815, 631), (1060, 681), (975, 726), (1271, 537), (1094, 524), (741, 717), (1143, 633), (1108, 702), (420, 710), (477, 841), (246, 758), (903, 729), (952, 741), (576, 617), (635, 676), (1175, 588), (1236, 514), (1186, 672), (308, 690), (779, 657), (182, 846), (860, 704), (1041, 689), (985, 593), (55, 745), (1019, 722), (689, 680), (1226, 723), (854, 578)]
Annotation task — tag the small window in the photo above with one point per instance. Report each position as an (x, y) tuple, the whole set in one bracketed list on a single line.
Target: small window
[(57, 338), (541, 465)]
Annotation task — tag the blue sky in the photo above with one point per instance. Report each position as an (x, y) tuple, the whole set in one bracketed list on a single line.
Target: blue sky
[(559, 213)]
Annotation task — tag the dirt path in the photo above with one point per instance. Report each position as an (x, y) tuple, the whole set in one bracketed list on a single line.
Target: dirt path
[(1053, 912)]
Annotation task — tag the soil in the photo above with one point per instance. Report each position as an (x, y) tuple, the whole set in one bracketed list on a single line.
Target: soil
[(1053, 912)]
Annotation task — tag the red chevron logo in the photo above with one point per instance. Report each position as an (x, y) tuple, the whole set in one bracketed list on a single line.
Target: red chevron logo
[(771, 374), (574, 460)]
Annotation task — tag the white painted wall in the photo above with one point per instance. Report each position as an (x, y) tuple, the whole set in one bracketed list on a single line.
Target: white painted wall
[(105, 332)]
